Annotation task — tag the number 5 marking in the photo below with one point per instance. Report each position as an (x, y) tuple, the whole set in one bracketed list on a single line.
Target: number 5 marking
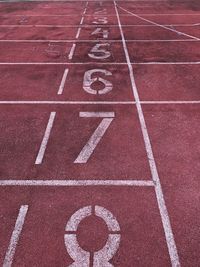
[(88, 81), (101, 53), (89, 148)]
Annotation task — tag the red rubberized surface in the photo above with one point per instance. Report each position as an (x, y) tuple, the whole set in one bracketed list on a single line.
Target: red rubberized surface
[(50, 210), (126, 160), (174, 132), (42, 83), (168, 82), (145, 168)]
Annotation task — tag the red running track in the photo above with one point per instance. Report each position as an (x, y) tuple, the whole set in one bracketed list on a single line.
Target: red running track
[(99, 140)]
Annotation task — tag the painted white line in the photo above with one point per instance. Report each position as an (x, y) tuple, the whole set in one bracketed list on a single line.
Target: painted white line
[(166, 63), (170, 102), (78, 33), (158, 189), (15, 236), (159, 25), (96, 114), (45, 138), (71, 53), (145, 102), (101, 63), (92, 25), (62, 84), (122, 15), (62, 63), (53, 102), (96, 41), (76, 182)]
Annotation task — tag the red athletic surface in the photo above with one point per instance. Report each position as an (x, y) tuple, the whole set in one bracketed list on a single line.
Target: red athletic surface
[(50, 211), (39, 36)]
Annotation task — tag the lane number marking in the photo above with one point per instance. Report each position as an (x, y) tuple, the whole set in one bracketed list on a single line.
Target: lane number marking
[(104, 255), (96, 137), (100, 20), (98, 52), (101, 31), (88, 82)]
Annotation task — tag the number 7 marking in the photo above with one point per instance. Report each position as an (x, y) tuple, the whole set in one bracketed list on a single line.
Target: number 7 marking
[(90, 146)]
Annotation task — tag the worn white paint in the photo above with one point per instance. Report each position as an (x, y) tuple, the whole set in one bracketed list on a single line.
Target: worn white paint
[(78, 254), (158, 189), (45, 139), (90, 146), (99, 52), (15, 236), (67, 182), (88, 81), (62, 84), (160, 25), (103, 32)]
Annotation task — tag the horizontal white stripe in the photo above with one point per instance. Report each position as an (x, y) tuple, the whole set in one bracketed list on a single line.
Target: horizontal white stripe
[(95, 41), (100, 63), (97, 102), (91, 25), (66, 102), (76, 183)]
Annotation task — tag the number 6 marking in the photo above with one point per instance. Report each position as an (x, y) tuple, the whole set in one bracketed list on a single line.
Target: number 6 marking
[(89, 148), (88, 81)]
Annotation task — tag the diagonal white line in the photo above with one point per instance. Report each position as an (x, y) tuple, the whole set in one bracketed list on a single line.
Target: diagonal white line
[(158, 189), (159, 25), (15, 236), (45, 139)]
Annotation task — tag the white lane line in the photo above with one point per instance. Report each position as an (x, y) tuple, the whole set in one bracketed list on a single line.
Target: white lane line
[(144, 102), (158, 189), (170, 102), (122, 15), (101, 63), (95, 41), (62, 84), (76, 182), (166, 63), (91, 25), (159, 25), (15, 236), (71, 53), (45, 138), (66, 102), (78, 33)]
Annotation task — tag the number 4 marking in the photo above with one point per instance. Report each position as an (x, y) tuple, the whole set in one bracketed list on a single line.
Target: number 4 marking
[(101, 31), (89, 148)]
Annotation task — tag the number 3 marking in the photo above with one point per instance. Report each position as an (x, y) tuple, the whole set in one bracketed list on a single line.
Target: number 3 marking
[(89, 148), (88, 81), (100, 20)]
